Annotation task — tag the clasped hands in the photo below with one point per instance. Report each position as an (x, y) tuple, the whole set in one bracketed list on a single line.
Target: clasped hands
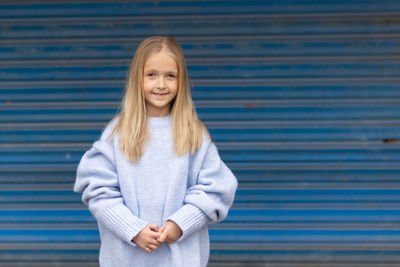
[(150, 237)]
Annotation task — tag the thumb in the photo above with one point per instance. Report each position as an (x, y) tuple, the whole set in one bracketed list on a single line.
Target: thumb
[(162, 229), (153, 227), (163, 237)]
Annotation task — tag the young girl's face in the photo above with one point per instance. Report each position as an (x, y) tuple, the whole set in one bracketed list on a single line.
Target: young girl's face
[(160, 83)]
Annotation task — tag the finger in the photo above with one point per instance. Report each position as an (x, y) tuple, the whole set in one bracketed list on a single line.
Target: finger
[(155, 235), (153, 227), (147, 249), (152, 247), (154, 242), (153, 239), (163, 237), (163, 228)]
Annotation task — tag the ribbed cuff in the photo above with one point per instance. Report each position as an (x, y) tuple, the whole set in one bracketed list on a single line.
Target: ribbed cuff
[(190, 219), (119, 219)]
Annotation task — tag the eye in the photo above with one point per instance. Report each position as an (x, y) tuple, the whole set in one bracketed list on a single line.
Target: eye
[(150, 74), (171, 76)]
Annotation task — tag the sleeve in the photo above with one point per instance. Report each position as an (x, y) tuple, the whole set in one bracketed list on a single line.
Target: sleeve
[(98, 181), (209, 200)]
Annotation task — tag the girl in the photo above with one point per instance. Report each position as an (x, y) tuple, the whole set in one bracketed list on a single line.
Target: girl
[(155, 165)]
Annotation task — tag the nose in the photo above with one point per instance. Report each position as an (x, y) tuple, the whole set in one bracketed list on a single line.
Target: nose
[(161, 83)]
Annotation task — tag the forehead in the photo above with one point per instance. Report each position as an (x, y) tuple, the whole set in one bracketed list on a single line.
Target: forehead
[(161, 61)]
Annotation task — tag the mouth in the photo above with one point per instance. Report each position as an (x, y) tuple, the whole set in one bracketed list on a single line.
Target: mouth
[(160, 95)]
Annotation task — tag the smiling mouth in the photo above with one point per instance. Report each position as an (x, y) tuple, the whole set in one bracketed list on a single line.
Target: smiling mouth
[(163, 94)]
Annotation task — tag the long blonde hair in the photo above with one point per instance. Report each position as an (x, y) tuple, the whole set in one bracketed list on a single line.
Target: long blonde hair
[(132, 124)]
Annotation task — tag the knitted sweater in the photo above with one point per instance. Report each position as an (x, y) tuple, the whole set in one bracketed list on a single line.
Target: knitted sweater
[(191, 190)]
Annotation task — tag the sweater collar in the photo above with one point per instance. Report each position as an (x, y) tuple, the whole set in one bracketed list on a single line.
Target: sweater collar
[(159, 122)]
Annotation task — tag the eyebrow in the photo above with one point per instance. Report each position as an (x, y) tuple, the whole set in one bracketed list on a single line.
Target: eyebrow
[(152, 70)]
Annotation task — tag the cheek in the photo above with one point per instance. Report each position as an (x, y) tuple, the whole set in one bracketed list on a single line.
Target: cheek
[(174, 86), (147, 86)]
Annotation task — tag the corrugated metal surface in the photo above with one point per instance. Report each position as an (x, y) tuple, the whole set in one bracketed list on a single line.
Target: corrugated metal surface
[(302, 98)]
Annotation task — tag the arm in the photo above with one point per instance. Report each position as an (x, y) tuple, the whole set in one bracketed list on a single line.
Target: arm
[(209, 200), (98, 181)]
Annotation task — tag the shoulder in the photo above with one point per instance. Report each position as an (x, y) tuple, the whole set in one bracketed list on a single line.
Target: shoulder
[(207, 145), (108, 128), (106, 142), (207, 155), (206, 139)]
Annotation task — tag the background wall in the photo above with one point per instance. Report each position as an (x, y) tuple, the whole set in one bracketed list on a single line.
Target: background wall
[(301, 97)]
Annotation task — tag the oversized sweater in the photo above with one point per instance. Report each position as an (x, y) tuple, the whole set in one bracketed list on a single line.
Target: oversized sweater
[(192, 190)]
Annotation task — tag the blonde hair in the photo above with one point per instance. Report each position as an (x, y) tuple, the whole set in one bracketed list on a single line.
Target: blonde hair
[(187, 129)]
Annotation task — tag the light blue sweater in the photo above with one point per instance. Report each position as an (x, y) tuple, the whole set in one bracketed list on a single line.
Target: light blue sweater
[(192, 190)]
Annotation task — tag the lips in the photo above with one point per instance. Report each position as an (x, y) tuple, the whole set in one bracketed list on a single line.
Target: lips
[(160, 95)]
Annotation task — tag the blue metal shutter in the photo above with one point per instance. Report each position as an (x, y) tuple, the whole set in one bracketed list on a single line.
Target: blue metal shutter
[(301, 97)]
